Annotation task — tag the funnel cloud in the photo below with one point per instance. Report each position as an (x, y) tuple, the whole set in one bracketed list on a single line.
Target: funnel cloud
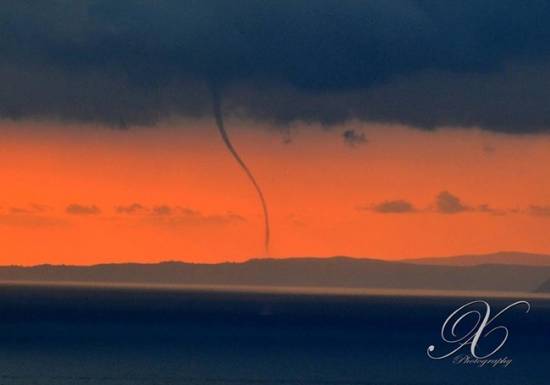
[(218, 114)]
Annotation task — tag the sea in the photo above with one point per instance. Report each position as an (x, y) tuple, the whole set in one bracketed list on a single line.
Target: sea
[(57, 335)]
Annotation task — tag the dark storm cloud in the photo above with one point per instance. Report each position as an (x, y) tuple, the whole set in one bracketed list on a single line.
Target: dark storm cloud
[(78, 209), (421, 63)]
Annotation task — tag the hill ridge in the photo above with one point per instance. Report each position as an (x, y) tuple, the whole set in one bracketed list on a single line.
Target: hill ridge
[(334, 272)]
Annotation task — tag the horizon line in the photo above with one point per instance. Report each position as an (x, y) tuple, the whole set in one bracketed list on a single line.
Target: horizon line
[(397, 260)]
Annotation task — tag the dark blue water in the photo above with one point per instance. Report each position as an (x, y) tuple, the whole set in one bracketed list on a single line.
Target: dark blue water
[(77, 336)]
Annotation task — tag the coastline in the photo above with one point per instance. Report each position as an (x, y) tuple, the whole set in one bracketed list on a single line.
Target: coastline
[(289, 290)]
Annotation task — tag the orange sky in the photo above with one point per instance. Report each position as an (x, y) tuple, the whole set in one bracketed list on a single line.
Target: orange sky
[(197, 205)]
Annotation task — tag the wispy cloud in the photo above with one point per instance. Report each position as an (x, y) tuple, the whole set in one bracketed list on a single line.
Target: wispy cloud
[(33, 215), (168, 215), (541, 211)]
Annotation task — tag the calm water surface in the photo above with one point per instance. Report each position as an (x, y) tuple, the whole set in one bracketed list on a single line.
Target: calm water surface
[(60, 335)]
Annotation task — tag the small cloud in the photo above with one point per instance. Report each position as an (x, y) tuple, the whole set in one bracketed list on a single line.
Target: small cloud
[(27, 220), (134, 208), (488, 148), (178, 216), (36, 207), (19, 210), (162, 210), (31, 209), (394, 207), (286, 136), (447, 203), (77, 209), (354, 138), (295, 220), (542, 211), (485, 208)]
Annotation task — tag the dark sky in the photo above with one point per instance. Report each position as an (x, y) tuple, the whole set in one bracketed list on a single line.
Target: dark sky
[(426, 63)]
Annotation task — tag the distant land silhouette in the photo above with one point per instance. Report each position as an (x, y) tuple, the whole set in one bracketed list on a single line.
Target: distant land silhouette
[(335, 272), (544, 288), (501, 258)]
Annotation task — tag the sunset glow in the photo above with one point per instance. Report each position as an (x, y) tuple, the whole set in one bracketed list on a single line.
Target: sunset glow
[(94, 195)]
